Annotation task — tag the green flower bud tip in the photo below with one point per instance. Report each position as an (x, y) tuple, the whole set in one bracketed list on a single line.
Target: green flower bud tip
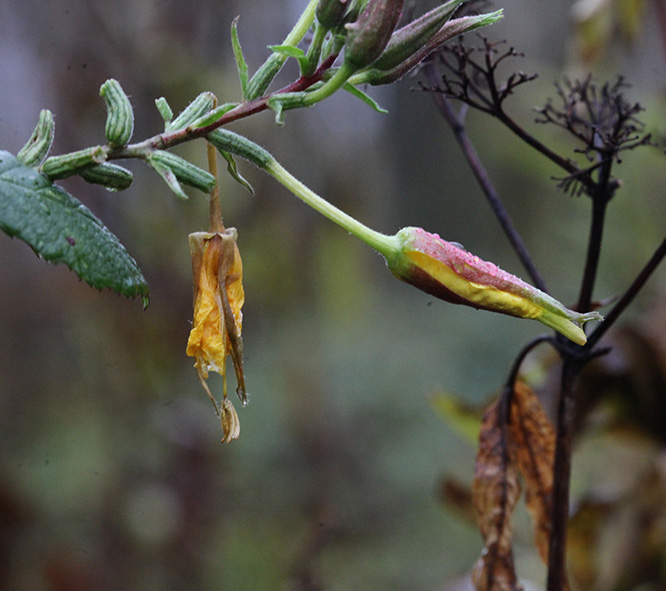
[(331, 13), (368, 36), (378, 72), (446, 271), (185, 171), (111, 176), (120, 116), (409, 39), (195, 110), (39, 144), (60, 167)]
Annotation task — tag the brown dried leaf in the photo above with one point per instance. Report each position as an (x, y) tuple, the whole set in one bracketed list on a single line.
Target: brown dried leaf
[(532, 448), (495, 492)]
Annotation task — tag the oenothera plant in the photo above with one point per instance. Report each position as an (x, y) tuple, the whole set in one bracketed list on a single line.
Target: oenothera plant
[(338, 45)]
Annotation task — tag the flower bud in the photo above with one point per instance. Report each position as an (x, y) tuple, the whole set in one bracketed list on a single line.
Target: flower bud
[(446, 271), (120, 116), (164, 109), (229, 141), (369, 34), (412, 37), (110, 176), (196, 109), (185, 171), (331, 13), (380, 71), (39, 144), (60, 167)]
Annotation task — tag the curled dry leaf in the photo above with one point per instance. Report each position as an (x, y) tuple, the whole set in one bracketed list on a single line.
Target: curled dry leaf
[(495, 492), (532, 448)]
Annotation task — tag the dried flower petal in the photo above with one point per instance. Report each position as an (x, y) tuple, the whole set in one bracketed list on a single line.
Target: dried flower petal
[(230, 422), (218, 298)]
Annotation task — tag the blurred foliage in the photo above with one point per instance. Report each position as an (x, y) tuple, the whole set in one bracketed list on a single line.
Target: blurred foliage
[(110, 472)]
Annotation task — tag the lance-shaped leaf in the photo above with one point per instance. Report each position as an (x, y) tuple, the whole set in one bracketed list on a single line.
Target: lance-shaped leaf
[(533, 450), (60, 229), (495, 492)]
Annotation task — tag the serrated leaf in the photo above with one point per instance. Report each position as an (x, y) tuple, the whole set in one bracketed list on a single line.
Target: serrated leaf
[(241, 65), (233, 171), (368, 100), (60, 229)]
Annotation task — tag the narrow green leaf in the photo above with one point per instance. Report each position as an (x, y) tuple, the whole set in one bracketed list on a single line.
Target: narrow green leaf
[(60, 229), (288, 50), (241, 65), (359, 94), (168, 176), (233, 171), (291, 51)]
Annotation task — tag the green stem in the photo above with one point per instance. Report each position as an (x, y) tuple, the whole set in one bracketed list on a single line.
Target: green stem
[(269, 69), (314, 51), (337, 81), (385, 245)]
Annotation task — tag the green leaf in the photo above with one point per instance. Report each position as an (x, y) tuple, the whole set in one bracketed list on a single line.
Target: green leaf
[(238, 54), (359, 94), (60, 229), (288, 50), (291, 51), (233, 171)]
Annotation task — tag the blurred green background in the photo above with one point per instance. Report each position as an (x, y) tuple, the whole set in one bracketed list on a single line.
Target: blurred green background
[(111, 474)]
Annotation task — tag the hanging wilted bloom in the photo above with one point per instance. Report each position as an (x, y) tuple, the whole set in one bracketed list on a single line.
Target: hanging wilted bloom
[(216, 332), (448, 272)]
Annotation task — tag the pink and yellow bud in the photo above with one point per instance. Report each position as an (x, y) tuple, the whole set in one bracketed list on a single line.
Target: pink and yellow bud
[(448, 272)]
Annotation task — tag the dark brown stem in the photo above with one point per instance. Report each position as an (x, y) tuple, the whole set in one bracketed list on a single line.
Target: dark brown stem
[(479, 171), (557, 579), (593, 254), (170, 139)]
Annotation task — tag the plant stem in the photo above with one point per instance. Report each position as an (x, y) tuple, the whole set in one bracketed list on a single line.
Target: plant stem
[(479, 171), (215, 223), (270, 68), (386, 245), (629, 295), (336, 82), (562, 476)]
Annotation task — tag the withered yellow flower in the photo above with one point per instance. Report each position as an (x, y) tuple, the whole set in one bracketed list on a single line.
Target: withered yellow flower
[(217, 272)]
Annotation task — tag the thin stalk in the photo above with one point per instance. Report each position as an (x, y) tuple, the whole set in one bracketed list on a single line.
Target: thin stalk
[(593, 254), (629, 295), (215, 223), (386, 245), (479, 171), (262, 78), (562, 477), (336, 82)]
